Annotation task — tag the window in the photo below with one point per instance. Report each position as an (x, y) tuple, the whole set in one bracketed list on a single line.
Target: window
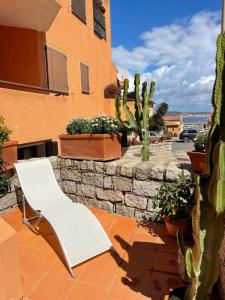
[(99, 22), (84, 72), (79, 9), (56, 70)]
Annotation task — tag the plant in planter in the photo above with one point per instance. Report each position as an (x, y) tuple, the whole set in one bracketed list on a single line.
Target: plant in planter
[(139, 121), (175, 201), (198, 157), (94, 139), (8, 149)]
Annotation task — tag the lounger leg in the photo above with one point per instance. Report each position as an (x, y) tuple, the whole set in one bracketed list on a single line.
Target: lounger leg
[(26, 220)]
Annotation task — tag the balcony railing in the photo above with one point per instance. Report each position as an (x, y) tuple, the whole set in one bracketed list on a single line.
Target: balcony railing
[(99, 23)]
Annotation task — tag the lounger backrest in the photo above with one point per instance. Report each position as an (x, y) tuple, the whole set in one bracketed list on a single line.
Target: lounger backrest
[(39, 184)]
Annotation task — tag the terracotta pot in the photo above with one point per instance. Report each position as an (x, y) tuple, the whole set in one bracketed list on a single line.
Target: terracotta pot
[(198, 162), (9, 154), (100, 147), (172, 226)]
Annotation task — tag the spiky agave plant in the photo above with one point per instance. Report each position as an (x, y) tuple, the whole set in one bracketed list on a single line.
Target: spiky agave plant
[(139, 121)]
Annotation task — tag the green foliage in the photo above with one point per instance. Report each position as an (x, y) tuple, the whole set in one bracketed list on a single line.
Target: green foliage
[(4, 137), (200, 141), (79, 126), (156, 122), (175, 199), (97, 125), (139, 121), (4, 131)]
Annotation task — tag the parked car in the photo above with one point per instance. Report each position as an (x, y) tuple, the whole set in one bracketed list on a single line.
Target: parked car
[(154, 134), (188, 135)]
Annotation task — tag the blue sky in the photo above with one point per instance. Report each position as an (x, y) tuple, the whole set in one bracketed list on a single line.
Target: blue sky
[(172, 42)]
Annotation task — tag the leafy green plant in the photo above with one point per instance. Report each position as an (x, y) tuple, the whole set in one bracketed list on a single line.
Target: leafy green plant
[(200, 141), (4, 131), (78, 126), (4, 137), (139, 121), (175, 199), (97, 125)]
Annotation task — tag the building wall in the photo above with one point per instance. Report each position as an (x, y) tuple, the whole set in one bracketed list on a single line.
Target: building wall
[(35, 116)]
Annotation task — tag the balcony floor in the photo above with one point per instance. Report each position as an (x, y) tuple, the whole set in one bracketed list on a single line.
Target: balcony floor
[(144, 265)]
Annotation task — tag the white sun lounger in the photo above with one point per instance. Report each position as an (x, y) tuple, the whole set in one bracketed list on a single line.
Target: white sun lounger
[(79, 233)]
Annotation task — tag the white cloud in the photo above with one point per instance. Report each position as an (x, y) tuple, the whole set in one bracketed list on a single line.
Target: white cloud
[(181, 59)]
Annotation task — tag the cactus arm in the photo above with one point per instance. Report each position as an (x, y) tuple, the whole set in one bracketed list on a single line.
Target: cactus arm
[(145, 122), (217, 185), (118, 114), (217, 97), (130, 117), (137, 105)]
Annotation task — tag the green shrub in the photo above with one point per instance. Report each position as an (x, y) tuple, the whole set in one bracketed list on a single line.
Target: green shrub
[(175, 199), (200, 141), (78, 126), (97, 125), (4, 132)]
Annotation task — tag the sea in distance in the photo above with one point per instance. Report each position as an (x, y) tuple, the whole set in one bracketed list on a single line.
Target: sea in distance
[(194, 120)]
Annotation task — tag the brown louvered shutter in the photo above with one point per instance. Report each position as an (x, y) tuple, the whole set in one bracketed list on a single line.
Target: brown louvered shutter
[(56, 70), (84, 72), (79, 9)]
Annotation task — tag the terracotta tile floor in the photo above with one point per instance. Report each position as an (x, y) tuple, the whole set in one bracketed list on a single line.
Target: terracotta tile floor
[(144, 265)]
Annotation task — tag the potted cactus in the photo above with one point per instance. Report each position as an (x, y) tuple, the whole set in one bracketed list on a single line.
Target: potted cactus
[(198, 157), (94, 139), (8, 148), (202, 261), (139, 121)]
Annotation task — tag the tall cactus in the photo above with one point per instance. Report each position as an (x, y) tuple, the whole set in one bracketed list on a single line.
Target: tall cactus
[(138, 122), (202, 262)]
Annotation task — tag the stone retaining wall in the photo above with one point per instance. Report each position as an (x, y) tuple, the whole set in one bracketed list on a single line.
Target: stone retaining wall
[(126, 186)]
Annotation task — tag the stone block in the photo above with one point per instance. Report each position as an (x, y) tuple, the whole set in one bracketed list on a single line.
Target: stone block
[(90, 165), (92, 179), (71, 174), (126, 171), (132, 200), (108, 183), (88, 190), (99, 167), (124, 210), (76, 165), (157, 172), (142, 170), (146, 216), (54, 162), (8, 200), (122, 184), (104, 205), (111, 168), (109, 195), (79, 190), (69, 187), (145, 188)]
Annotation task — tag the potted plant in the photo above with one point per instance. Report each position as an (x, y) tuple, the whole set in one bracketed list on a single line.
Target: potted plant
[(8, 148), (94, 139), (175, 201), (198, 157)]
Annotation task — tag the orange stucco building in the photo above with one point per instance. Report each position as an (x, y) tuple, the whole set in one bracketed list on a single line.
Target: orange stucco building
[(55, 62)]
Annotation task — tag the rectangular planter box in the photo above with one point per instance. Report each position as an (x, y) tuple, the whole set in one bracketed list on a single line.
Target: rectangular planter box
[(100, 147), (9, 154)]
